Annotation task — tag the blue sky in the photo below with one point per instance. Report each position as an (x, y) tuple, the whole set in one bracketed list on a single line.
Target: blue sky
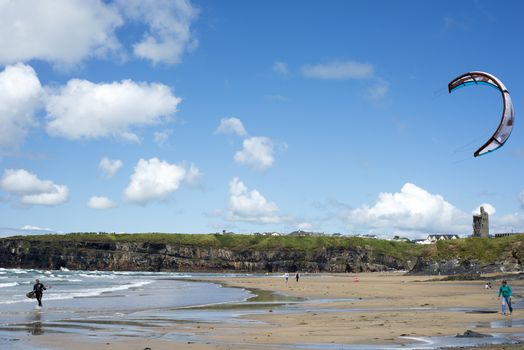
[(179, 116)]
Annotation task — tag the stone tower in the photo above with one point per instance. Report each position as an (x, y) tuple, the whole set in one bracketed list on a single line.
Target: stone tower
[(481, 224)]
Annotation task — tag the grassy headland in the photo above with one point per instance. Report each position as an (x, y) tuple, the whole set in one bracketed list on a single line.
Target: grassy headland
[(482, 249), (264, 252)]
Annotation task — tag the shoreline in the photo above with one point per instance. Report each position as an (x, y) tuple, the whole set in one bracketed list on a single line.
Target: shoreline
[(397, 304), (338, 311)]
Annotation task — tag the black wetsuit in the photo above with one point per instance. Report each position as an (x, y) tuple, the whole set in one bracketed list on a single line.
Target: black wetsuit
[(39, 288)]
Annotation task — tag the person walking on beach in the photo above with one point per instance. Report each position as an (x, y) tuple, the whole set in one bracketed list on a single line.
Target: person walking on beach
[(39, 288), (505, 292), (297, 276), (286, 276)]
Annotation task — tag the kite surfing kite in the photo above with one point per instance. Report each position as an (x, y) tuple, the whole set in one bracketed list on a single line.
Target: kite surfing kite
[(503, 131)]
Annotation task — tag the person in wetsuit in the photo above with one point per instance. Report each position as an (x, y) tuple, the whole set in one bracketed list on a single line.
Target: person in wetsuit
[(39, 288)]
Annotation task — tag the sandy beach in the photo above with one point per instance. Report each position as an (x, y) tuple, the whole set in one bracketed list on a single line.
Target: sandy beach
[(334, 312)]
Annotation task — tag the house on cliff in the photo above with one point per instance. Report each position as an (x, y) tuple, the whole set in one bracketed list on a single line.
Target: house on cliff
[(301, 233), (435, 238)]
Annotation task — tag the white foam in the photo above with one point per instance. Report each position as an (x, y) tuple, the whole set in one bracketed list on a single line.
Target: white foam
[(97, 276), (84, 294), (9, 284), (96, 291)]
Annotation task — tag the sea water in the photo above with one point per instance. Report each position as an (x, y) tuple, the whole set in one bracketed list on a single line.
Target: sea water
[(105, 293)]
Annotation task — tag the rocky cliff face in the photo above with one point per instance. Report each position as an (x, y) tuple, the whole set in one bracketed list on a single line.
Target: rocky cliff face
[(511, 260), (131, 256), (149, 256)]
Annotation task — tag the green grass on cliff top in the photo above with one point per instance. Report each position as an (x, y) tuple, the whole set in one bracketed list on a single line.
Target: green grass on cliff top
[(244, 242), (482, 249)]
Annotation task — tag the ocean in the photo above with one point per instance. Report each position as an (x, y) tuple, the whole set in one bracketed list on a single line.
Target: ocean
[(75, 297)]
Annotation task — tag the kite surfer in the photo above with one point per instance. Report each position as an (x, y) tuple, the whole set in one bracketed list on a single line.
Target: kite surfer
[(38, 289), (505, 292)]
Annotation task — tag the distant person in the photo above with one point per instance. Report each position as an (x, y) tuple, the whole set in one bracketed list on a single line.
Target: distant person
[(505, 292), (487, 285), (286, 276), (39, 288), (297, 276)]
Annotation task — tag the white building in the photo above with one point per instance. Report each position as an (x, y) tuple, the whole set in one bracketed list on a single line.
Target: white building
[(435, 238)]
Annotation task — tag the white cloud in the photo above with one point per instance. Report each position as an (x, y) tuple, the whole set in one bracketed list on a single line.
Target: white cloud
[(83, 109), (378, 91), (60, 31), (21, 182), (277, 98), (231, 126), (169, 28), (339, 70), (487, 207), (32, 190), (154, 179), (193, 175), (110, 166), (26, 230), (345, 70), (412, 210), (66, 32), (96, 202), (507, 223), (129, 136), (20, 96), (250, 206), (161, 137), (36, 228), (305, 226), (280, 68), (257, 152)]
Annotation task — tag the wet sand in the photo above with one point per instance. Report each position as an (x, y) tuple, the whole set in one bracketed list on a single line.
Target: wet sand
[(339, 311)]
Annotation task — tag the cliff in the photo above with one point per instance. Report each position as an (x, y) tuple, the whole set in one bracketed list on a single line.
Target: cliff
[(163, 253), (472, 256), (243, 253)]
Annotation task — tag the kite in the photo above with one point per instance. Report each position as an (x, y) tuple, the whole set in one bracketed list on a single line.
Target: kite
[(505, 127)]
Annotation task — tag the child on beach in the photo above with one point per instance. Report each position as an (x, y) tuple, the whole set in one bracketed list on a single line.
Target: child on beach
[(505, 291), (286, 276)]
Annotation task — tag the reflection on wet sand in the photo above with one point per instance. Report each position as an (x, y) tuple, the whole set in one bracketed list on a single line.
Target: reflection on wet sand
[(34, 323)]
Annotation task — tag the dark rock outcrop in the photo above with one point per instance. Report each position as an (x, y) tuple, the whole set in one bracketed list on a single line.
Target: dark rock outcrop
[(473, 334), (511, 260)]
